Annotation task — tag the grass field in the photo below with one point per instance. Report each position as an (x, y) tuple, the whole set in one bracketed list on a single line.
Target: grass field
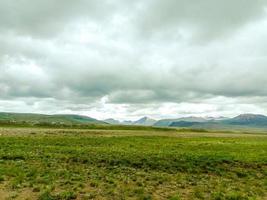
[(48, 164)]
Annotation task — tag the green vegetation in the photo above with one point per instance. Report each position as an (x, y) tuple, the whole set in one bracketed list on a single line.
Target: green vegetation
[(40, 119), (48, 164)]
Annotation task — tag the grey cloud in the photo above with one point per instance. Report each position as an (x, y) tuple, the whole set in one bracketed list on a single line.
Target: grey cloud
[(46, 18), (206, 19)]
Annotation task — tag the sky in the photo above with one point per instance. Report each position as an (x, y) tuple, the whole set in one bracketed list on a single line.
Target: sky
[(126, 59)]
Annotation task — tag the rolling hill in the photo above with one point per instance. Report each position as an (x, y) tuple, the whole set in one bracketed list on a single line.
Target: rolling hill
[(171, 122), (112, 121), (51, 119), (184, 124)]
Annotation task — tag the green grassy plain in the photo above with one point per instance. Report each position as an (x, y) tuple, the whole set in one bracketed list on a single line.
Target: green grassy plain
[(48, 164)]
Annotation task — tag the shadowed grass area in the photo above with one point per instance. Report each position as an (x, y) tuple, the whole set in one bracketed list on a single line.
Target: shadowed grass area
[(78, 164), (79, 126)]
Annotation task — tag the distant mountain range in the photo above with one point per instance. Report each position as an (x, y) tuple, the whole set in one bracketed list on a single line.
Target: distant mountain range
[(241, 121), (144, 121), (244, 120), (248, 119)]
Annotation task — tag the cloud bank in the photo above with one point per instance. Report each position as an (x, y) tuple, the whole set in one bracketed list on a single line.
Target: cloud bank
[(126, 59)]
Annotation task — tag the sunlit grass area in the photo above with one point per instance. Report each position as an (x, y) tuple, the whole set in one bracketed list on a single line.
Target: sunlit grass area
[(51, 164)]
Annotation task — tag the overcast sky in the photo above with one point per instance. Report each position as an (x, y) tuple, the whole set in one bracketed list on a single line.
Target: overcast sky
[(125, 59)]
